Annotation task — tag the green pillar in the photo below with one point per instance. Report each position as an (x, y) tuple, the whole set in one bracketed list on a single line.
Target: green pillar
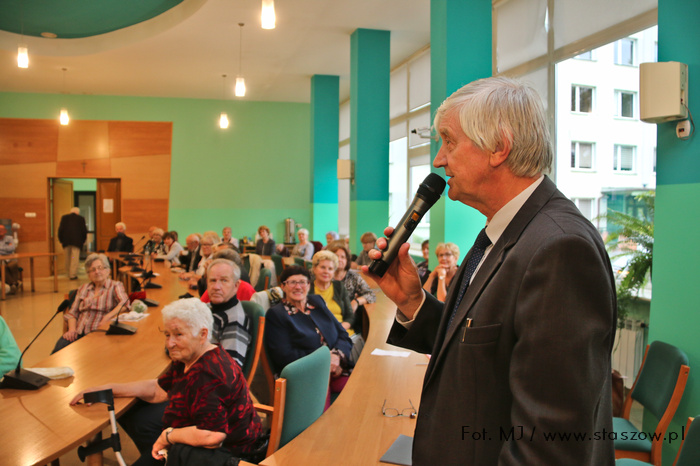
[(369, 133), (674, 307), (324, 156), (460, 52)]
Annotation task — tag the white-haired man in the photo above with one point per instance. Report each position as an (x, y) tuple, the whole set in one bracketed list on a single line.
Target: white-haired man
[(121, 242), (8, 245), (521, 346)]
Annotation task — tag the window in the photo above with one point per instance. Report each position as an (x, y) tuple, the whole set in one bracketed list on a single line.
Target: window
[(623, 161), (624, 101), (585, 55), (624, 51), (585, 206), (582, 155), (581, 99)]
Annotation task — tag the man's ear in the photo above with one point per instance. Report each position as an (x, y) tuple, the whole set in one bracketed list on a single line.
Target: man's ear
[(500, 155)]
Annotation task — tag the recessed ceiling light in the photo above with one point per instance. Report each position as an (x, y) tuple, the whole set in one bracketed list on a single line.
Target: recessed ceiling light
[(49, 35)]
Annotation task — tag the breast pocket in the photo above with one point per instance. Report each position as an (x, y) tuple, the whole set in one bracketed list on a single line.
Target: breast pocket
[(480, 335)]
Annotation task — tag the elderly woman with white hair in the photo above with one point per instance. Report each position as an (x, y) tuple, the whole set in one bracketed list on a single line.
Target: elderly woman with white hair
[(203, 395), (304, 248), (95, 303)]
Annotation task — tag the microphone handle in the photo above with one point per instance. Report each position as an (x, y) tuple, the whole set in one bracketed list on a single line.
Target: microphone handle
[(402, 232), (19, 363)]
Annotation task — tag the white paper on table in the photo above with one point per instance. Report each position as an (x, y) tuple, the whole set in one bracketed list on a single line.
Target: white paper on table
[(131, 316), (396, 354)]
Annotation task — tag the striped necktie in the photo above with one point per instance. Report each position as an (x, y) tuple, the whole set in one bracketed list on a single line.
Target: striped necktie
[(477, 253)]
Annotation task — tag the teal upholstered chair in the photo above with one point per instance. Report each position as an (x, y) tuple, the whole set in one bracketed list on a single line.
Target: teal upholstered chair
[(256, 314), (279, 265), (299, 261), (688, 453), (300, 396), (659, 388), (263, 280)]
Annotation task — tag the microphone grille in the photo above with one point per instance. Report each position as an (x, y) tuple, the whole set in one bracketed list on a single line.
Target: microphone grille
[(432, 187)]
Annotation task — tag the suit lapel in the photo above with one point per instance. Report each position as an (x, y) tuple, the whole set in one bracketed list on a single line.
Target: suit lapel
[(491, 264)]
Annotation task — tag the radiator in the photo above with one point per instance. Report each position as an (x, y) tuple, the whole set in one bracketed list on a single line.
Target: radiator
[(628, 351)]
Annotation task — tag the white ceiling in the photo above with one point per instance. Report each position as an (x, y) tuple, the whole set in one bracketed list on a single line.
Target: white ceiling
[(185, 52)]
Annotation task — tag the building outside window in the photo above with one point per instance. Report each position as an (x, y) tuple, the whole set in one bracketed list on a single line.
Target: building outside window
[(582, 155), (581, 99), (623, 159), (624, 51), (625, 104)]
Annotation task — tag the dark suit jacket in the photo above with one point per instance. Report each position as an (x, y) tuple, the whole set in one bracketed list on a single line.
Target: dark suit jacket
[(72, 230), (187, 261), (537, 353), (121, 243), (289, 338)]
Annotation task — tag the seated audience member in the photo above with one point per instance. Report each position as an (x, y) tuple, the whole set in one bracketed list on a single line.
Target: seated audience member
[(213, 234), (281, 250), (95, 303), (206, 250), (201, 400), (302, 323), (155, 245), (423, 270), (9, 352), (245, 289), (303, 248), (8, 245), (358, 290), (368, 240), (121, 242), (334, 294), (232, 328), (439, 280), (330, 237), (190, 258), (227, 238), (265, 245), (173, 249), (235, 257)]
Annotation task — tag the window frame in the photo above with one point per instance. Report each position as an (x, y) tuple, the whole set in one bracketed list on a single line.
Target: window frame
[(575, 154), (617, 159), (577, 98)]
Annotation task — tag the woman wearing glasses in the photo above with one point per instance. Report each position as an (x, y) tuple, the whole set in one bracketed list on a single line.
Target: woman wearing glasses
[(439, 280), (302, 323), (95, 303)]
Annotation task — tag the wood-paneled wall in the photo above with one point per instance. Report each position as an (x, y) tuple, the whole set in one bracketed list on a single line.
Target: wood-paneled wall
[(32, 151)]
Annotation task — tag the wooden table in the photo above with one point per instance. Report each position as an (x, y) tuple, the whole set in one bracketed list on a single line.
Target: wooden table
[(354, 431), (39, 426), (30, 256)]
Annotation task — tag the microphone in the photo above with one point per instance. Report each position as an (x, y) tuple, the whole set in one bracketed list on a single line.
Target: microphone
[(116, 328), (21, 379), (428, 193), (137, 244)]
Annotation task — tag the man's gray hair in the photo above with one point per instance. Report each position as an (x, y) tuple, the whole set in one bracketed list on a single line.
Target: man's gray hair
[(499, 111), (192, 312), (234, 268), (96, 257)]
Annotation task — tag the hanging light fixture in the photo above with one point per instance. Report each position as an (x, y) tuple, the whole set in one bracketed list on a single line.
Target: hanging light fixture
[(239, 90), (267, 16), (22, 56), (223, 118), (63, 117)]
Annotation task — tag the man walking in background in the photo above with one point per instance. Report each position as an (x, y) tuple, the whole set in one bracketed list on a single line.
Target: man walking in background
[(72, 233)]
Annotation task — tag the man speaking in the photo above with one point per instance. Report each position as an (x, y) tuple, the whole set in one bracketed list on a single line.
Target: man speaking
[(521, 346)]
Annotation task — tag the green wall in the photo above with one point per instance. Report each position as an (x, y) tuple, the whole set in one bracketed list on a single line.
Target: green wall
[(255, 172), (675, 317)]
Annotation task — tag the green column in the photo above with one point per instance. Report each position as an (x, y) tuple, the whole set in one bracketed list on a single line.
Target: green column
[(369, 133), (460, 52), (324, 156), (674, 308)]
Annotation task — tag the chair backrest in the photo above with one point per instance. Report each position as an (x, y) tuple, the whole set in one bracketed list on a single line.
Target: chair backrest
[(256, 314), (658, 377), (307, 388), (299, 261), (279, 264), (689, 453), (263, 280), (317, 246), (246, 263)]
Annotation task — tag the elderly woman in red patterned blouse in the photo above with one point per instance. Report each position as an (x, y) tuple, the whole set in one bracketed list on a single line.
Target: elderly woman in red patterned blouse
[(205, 396)]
